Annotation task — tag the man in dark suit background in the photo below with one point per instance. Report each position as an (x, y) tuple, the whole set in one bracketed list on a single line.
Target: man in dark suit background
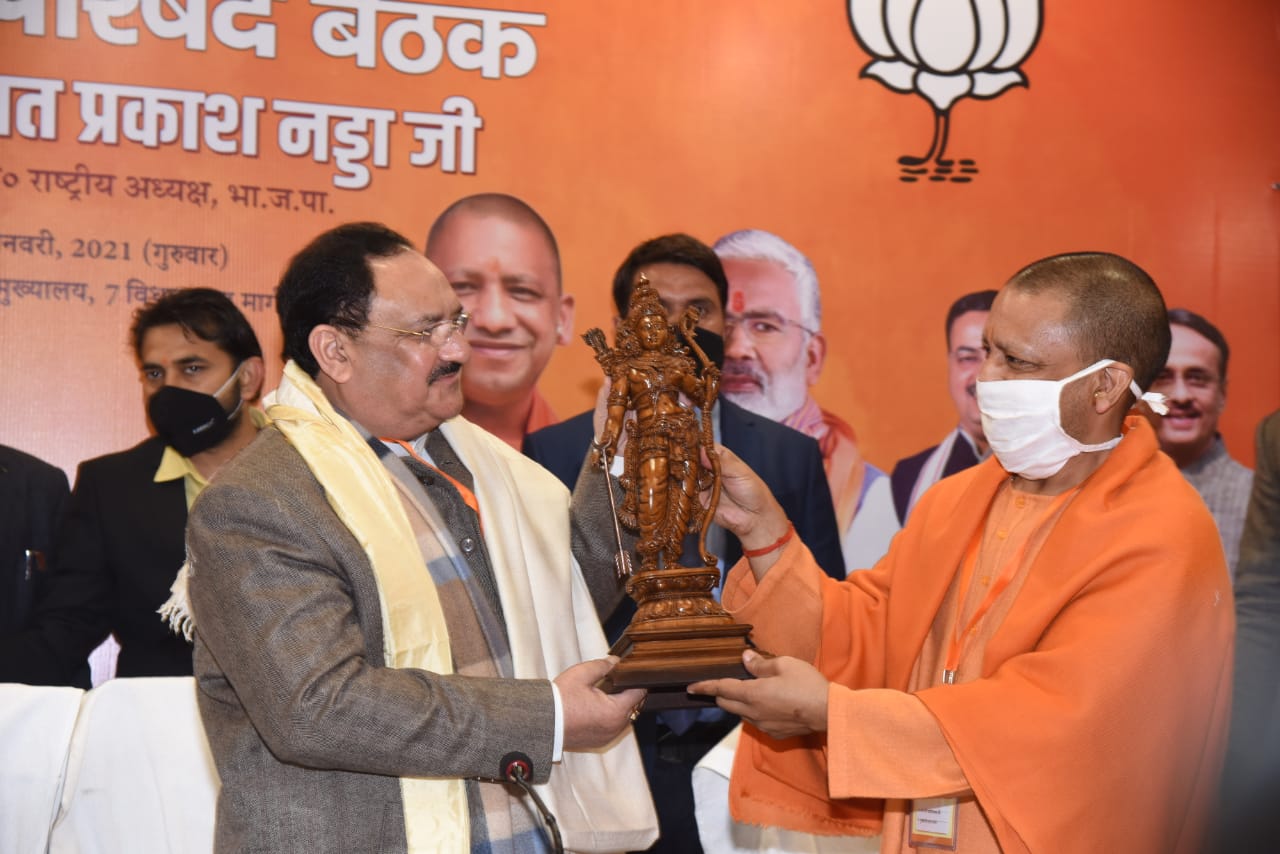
[(120, 545), (33, 496), (686, 272)]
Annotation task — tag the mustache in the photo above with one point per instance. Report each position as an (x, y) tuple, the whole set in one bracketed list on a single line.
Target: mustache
[(738, 368), (442, 370)]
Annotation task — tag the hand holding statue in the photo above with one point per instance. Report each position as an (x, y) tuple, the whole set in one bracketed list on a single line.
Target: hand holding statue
[(748, 509), (787, 697), (593, 718)]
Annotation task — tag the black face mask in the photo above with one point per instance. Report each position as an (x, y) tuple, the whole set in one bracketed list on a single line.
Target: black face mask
[(191, 421)]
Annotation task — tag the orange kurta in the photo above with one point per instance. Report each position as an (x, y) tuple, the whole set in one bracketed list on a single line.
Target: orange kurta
[(1093, 716)]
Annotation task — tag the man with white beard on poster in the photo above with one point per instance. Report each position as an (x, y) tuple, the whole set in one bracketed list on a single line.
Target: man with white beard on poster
[(774, 353)]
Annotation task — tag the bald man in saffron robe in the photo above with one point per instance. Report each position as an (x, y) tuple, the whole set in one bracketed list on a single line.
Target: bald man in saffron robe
[(1042, 662)]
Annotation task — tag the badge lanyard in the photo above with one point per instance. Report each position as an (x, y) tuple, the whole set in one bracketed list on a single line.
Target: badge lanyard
[(934, 822), (960, 633), (468, 497)]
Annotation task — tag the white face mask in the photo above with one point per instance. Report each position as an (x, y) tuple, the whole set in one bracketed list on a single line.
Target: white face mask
[(1022, 421)]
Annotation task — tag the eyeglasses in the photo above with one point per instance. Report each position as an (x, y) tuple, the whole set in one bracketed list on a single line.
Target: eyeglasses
[(436, 334), (761, 326)]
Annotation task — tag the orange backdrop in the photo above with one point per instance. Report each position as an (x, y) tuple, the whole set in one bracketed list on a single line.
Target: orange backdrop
[(1149, 128)]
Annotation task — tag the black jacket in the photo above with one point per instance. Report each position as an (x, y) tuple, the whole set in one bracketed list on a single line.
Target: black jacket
[(33, 497), (119, 548)]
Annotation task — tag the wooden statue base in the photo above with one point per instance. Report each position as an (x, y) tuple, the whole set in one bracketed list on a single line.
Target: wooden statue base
[(665, 662)]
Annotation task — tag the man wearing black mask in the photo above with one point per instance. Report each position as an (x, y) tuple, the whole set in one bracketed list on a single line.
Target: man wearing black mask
[(121, 543)]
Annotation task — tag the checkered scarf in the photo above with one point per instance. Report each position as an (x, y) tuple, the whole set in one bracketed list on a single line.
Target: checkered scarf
[(501, 819)]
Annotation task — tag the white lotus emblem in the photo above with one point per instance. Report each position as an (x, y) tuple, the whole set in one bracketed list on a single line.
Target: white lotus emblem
[(945, 50)]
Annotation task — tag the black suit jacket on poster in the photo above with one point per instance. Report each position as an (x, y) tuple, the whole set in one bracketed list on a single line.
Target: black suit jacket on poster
[(788, 461), (33, 496), (907, 471), (119, 548)]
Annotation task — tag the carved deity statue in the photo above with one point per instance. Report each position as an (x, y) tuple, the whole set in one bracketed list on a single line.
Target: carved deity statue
[(679, 633), (649, 370)]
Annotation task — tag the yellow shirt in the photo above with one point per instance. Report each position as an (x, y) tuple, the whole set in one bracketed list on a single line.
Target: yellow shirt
[(174, 465)]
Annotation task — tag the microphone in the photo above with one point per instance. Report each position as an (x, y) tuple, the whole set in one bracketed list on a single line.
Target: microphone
[(517, 768)]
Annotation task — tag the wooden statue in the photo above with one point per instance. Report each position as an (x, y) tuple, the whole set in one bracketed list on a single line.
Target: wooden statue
[(663, 473), (679, 633)]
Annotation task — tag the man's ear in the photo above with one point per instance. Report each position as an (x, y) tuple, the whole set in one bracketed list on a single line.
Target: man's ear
[(815, 356), (328, 346), (252, 372), (564, 320), (1111, 388)]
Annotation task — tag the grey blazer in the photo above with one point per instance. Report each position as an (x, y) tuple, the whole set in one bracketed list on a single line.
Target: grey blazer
[(308, 729)]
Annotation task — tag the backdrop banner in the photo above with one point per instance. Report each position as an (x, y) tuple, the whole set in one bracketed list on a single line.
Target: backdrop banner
[(148, 145)]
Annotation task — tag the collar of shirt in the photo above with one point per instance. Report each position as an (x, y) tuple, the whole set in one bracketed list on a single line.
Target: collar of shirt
[(173, 465), (808, 419), (419, 446), (1216, 451)]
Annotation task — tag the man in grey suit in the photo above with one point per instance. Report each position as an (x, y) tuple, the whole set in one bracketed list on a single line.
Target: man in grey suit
[(384, 594)]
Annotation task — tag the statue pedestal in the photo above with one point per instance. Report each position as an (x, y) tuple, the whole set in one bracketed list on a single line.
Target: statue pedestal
[(679, 635)]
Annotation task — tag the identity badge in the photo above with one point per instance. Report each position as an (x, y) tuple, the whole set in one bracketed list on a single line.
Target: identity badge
[(933, 823)]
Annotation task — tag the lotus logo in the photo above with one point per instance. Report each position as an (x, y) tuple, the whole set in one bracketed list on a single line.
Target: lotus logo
[(945, 50)]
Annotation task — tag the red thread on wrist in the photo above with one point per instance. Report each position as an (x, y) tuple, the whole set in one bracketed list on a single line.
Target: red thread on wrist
[(777, 544)]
